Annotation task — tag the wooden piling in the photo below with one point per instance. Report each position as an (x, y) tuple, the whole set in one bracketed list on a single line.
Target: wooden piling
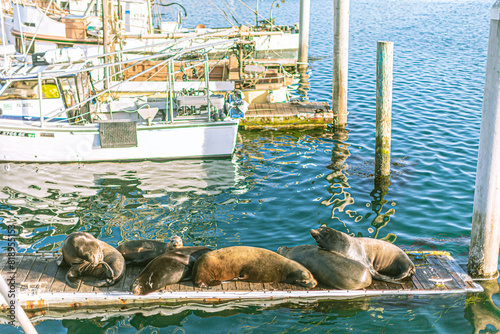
[(304, 18), (485, 233), (384, 109), (340, 60)]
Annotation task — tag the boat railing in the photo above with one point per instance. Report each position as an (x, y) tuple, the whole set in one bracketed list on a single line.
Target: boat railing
[(171, 56)]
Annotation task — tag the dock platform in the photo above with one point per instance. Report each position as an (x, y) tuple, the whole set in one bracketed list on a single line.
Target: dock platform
[(293, 115), (42, 288)]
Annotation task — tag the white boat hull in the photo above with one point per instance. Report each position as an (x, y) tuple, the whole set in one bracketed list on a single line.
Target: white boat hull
[(67, 143)]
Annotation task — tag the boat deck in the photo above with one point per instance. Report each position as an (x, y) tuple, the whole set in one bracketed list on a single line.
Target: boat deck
[(42, 286), (296, 115)]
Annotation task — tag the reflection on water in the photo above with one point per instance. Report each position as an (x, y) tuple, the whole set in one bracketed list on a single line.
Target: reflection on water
[(481, 311), (239, 317), (116, 202), (341, 198), (303, 83)]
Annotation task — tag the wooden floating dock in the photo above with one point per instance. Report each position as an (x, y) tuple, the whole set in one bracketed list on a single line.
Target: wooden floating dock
[(42, 288), (293, 115)]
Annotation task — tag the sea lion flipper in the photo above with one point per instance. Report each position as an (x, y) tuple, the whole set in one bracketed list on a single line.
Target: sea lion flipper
[(60, 261), (72, 276), (376, 275), (108, 272)]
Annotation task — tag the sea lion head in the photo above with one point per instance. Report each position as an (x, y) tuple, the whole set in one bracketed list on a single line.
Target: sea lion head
[(308, 280), (282, 250), (137, 288), (87, 247), (175, 242), (328, 238)]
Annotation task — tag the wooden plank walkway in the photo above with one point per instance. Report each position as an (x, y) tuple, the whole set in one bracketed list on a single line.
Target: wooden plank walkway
[(42, 287), (294, 115)]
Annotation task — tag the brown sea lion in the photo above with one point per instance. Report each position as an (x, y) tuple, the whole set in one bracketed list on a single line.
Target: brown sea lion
[(385, 261), (171, 267), (249, 264), (88, 256), (328, 268), (115, 262), (141, 252)]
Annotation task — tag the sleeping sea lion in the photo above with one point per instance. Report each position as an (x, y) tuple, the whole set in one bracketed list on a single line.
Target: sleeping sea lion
[(171, 267), (385, 261), (328, 268), (115, 262), (88, 256), (141, 252), (249, 264)]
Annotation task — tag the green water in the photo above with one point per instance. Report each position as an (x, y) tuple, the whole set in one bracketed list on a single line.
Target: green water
[(280, 184)]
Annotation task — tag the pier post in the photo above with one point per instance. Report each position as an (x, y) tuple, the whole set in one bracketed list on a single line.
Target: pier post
[(340, 61), (384, 109), (304, 19), (485, 233)]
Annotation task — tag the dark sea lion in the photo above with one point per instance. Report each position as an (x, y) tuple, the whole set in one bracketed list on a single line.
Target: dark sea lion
[(141, 252), (385, 261), (249, 264), (89, 257), (328, 268), (171, 267)]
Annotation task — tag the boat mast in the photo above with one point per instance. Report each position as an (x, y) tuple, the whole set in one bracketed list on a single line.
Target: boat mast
[(89, 8), (257, 14), (21, 30), (105, 40), (4, 40)]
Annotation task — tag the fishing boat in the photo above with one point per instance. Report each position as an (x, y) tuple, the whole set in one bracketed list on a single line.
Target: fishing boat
[(53, 112), (42, 25)]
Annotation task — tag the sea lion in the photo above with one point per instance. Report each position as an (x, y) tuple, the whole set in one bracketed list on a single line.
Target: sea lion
[(249, 264), (116, 264), (385, 261), (141, 252), (328, 268), (171, 267), (88, 256)]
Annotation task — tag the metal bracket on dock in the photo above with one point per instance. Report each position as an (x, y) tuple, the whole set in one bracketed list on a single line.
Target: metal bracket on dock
[(32, 288), (48, 254)]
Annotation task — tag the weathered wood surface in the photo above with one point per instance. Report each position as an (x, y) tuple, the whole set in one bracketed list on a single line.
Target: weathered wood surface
[(287, 115), (41, 284)]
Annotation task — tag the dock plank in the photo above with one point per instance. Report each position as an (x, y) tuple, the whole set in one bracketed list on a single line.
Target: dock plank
[(37, 270), (59, 282), (6, 269), (48, 274), (443, 274), (23, 269)]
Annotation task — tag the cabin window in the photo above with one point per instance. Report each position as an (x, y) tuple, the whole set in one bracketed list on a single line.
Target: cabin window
[(28, 89), (69, 90)]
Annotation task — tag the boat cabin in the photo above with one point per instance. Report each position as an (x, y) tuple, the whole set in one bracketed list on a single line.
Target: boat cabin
[(60, 89)]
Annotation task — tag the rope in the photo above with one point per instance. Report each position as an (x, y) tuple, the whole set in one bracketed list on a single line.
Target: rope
[(224, 13), (268, 21)]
